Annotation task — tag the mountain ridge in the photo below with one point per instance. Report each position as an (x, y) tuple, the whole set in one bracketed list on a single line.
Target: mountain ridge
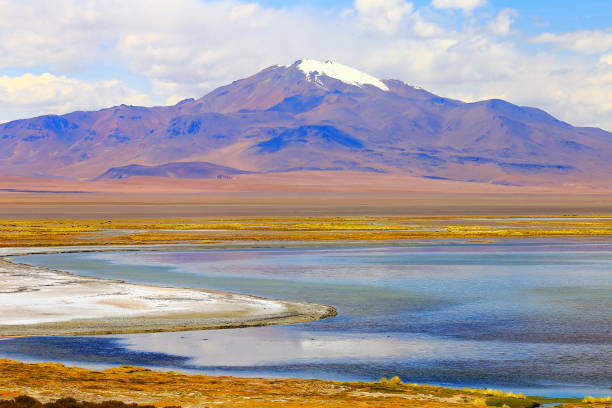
[(299, 117), (196, 170)]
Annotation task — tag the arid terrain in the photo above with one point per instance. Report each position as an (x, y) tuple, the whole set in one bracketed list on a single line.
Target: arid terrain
[(194, 198)]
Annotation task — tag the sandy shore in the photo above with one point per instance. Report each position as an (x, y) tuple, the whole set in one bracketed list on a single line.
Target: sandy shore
[(43, 302)]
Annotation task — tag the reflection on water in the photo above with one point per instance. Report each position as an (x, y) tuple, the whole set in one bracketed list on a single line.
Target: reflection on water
[(520, 315)]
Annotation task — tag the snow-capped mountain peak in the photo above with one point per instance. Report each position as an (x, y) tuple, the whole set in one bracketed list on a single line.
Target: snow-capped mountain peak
[(313, 69)]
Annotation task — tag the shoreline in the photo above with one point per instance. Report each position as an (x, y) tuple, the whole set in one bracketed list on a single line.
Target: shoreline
[(232, 381), (48, 381), (59, 303)]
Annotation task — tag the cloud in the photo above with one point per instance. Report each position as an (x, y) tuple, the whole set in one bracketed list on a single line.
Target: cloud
[(585, 42), (503, 22), (423, 28), (186, 48), (34, 94), (188, 52), (67, 34), (383, 15), (607, 59), (466, 5)]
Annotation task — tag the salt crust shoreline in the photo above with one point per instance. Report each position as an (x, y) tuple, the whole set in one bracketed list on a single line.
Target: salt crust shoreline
[(43, 302)]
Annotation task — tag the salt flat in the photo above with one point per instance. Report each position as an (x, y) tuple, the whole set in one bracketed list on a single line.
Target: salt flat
[(39, 301)]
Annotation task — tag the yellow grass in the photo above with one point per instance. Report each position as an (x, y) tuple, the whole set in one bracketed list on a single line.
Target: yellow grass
[(594, 400), (47, 381), (307, 229), (494, 393)]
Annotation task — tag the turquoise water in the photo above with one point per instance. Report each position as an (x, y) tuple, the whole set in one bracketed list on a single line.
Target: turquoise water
[(531, 316)]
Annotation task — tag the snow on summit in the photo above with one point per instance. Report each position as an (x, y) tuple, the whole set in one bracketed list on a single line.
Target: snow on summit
[(313, 69)]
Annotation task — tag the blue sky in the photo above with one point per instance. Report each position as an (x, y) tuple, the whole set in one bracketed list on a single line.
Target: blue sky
[(65, 55)]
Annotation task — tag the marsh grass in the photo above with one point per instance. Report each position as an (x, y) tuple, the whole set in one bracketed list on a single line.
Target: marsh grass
[(595, 400), (300, 229), (163, 389)]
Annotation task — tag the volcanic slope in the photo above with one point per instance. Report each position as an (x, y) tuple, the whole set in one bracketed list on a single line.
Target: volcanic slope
[(316, 116)]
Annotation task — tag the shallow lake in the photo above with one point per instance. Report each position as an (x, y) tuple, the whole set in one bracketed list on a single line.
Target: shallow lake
[(524, 315)]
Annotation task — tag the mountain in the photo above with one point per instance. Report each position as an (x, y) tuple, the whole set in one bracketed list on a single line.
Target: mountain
[(201, 170), (314, 116)]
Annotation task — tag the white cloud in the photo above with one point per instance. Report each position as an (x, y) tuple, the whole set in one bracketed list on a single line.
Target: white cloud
[(383, 15), (424, 28), (244, 11), (186, 48), (466, 5), (606, 59), (210, 44), (586, 42), (503, 22), (34, 94), (63, 34)]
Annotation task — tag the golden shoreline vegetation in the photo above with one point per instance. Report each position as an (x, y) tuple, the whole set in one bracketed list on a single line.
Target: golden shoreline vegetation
[(50, 381), (29, 233)]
